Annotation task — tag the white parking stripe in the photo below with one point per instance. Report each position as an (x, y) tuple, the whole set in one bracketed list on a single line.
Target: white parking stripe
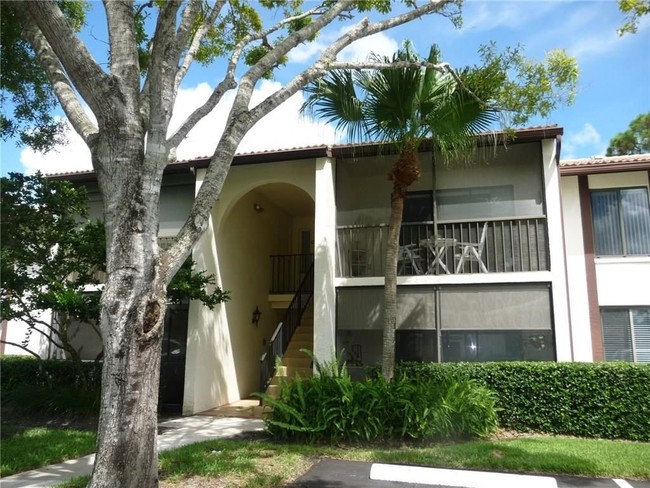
[(457, 478), (623, 484)]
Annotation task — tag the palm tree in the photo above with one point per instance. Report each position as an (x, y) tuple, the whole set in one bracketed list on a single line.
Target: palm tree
[(404, 106)]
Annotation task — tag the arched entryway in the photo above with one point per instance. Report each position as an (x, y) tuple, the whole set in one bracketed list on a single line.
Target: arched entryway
[(265, 244)]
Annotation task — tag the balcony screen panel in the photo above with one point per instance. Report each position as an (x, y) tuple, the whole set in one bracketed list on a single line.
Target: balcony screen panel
[(359, 308), (475, 203), (636, 220), (362, 308), (508, 307), (617, 338), (641, 330), (506, 345)]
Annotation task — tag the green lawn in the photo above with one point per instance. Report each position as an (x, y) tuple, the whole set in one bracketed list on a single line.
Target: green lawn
[(265, 464), (255, 463), (25, 449)]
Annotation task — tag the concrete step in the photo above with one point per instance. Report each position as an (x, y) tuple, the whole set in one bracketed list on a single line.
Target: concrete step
[(295, 348), (273, 390), (289, 373), (297, 362)]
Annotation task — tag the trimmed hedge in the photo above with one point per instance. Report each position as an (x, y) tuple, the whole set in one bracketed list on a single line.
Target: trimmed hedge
[(606, 400), (18, 371), (49, 386)]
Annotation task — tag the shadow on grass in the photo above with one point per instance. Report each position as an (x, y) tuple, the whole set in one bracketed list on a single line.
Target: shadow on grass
[(575, 457)]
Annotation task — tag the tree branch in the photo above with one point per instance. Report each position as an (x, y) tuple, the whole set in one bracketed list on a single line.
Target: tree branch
[(63, 89), (92, 83), (228, 82), (196, 41), (327, 60), (125, 63), (20, 346), (441, 67), (240, 119)]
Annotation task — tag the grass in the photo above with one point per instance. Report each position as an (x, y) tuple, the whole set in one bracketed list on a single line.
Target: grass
[(268, 464), (28, 448), (262, 463)]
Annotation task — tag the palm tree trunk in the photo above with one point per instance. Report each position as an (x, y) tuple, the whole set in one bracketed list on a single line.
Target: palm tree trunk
[(390, 280), (404, 173)]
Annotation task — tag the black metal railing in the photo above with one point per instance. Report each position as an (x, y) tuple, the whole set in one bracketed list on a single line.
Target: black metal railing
[(288, 270), (281, 338), (510, 245)]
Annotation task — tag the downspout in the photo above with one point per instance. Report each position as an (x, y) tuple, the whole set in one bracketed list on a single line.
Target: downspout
[(558, 146)]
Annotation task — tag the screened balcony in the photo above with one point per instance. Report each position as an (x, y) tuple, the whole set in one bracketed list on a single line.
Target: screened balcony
[(509, 245), (488, 217)]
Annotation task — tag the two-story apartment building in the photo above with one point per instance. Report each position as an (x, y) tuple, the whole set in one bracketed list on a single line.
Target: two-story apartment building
[(482, 270), (607, 232), (489, 267)]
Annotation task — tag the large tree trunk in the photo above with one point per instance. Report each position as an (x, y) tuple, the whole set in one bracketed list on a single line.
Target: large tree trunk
[(403, 174), (131, 318)]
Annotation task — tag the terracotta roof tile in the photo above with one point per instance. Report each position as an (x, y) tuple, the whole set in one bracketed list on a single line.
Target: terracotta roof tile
[(605, 164)]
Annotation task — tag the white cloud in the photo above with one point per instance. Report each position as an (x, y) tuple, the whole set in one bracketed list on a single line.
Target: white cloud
[(587, 140), (73, 156), (380, 43), (281, 129)]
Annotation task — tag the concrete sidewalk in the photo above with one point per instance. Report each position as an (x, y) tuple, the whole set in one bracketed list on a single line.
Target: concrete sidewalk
[(175, 433)]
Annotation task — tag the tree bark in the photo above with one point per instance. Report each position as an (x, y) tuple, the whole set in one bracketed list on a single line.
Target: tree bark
[(404, 173), (390, 280), (131, 316)]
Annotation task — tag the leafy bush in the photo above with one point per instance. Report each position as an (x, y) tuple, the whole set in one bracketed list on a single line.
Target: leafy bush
[(24, 370), (30, 385), (607, 400), (59, 400), (333, 407)]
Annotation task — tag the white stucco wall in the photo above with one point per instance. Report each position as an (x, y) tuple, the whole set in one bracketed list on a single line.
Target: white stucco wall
[(324, 261), (576, 269), (563, 334), (16, 331), (224, 346), (209, 367)]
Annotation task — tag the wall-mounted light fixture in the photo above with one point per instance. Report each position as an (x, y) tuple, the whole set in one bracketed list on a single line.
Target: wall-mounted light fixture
[(256, 316), (258, 208)]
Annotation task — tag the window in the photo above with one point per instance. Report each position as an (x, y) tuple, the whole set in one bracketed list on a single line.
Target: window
[(626, 334), (461, 323), (621, 220)]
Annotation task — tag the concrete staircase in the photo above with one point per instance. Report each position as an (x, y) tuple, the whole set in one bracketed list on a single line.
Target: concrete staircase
[(295, 362)]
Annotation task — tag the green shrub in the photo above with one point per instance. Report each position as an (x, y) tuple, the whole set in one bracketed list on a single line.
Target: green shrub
[(27, 370), (332, 407), (30, 385), (607, 400), (53, 400)]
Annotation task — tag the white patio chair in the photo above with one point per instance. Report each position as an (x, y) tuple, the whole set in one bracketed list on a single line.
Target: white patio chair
[(409, 255), (472, 251)]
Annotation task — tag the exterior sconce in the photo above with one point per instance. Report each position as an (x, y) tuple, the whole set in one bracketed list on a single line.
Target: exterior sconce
[(256, 316), (258, 208)]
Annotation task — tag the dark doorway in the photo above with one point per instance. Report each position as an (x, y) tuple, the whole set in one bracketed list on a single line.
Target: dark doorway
[(172, 362)]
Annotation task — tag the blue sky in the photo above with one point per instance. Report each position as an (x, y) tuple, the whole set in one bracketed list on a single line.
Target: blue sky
[(614, 83)]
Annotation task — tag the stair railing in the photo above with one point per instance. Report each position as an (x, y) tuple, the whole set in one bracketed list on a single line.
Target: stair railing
[(281, 338)]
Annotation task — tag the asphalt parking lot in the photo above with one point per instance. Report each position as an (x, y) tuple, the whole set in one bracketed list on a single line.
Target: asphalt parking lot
[(330, 473)]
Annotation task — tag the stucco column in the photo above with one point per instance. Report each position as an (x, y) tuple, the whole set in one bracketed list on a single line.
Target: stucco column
[(561, 318), (324, 260)]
